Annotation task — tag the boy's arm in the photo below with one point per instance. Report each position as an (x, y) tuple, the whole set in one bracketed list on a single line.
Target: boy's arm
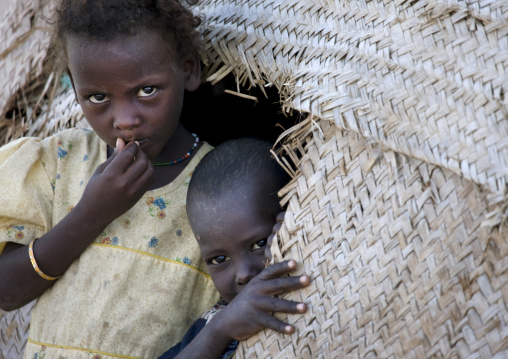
[(250, 312), (115, 187)]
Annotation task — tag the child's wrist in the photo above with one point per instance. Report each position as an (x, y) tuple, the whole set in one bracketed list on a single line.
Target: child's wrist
[(218, 324), (89, 219)]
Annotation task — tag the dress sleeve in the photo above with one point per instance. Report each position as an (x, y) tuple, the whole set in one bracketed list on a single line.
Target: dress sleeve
[(26, 194)]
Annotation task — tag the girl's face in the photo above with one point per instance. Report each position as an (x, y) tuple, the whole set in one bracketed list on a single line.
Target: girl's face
[(131, 87)]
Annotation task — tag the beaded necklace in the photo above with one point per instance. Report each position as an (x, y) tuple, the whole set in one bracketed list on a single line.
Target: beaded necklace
[(187, 155)]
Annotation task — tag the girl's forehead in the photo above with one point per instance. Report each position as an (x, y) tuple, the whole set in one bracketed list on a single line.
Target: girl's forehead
[(145, 45)]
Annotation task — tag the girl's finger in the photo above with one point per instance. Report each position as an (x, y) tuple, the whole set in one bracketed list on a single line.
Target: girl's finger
[(139, 166), (120, 145), (144, 179), (122, 160), (280, 217)]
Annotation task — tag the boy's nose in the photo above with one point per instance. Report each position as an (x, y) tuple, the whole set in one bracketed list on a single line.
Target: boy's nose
[(245, 271)]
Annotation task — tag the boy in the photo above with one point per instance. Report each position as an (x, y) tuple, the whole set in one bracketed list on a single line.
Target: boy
[(232, 205)]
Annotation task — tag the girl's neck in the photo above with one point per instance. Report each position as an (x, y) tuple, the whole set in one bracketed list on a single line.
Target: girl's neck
[(178, 145)]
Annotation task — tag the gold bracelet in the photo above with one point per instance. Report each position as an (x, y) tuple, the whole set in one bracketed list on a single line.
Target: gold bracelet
[(34, 263)]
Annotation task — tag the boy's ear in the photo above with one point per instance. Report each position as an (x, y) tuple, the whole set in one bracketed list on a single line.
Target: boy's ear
[(192, 69), (72, 83)]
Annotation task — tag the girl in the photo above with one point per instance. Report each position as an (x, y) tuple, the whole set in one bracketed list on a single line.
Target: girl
[(104, 211), (93, 223)]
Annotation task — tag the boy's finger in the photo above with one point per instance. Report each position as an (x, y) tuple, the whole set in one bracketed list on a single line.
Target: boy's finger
[(268, 250), (270, 322), (282, 285), (280, 217), (276, 227), (277, 270), (279, 305)]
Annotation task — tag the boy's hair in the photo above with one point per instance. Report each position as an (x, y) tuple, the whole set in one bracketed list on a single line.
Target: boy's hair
[(103, 20), (230, 164)]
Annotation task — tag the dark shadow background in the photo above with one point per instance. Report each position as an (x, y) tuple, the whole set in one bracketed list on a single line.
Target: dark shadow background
[(216, 116)]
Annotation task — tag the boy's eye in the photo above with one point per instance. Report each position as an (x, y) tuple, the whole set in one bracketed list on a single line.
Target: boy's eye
[(98, 98), (259, 244), (147, 91), (219, 260)]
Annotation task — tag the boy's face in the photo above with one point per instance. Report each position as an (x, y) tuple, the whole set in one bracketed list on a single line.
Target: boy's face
[(232, 234), (130, 87)]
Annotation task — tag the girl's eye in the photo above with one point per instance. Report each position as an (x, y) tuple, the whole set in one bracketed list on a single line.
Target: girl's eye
[(147, 91), (98, 98), (259, 244), (219, 260)]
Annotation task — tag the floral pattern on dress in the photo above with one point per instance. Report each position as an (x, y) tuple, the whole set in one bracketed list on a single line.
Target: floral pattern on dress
[(94, 355), (69, 206), (153, 242), (185, 260), (16, 232), (61, 151), (108, 240), (41, 354), (156, 206)]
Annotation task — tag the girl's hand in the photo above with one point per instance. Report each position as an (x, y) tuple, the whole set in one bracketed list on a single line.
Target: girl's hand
[(251, 310), (275, 229), (118, 183)]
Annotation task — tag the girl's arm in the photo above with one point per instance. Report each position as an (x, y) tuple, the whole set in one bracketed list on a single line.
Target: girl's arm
[(115, 187), (250, 312)]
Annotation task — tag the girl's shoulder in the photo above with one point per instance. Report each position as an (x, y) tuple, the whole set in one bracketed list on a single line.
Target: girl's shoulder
[(34, 147), (75, 135)]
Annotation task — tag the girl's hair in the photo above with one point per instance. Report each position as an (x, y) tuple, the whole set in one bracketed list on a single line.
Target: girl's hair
[(103, 20)]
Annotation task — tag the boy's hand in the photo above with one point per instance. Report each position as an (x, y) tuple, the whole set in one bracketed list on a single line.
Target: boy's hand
[(118, 183), (275, 229), (251, 310)]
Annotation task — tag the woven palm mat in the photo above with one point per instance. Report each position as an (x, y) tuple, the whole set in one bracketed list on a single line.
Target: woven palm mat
[(14, 331), (400, 265), (397, 206)]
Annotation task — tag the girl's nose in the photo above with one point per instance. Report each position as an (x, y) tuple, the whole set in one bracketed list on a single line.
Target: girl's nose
[(125, 117)]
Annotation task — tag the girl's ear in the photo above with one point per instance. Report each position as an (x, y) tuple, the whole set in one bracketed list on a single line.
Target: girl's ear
[(192, 70)]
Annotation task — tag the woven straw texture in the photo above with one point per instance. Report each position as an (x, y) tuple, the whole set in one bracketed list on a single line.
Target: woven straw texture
[(398, 206), (404, 157), (14, 331)]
